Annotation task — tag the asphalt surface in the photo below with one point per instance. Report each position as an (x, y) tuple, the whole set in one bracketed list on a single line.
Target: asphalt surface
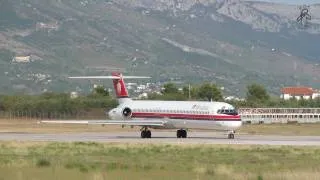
[(165, 137)]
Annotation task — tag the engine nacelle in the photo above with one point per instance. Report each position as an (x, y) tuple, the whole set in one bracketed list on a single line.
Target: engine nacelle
[(127, 112)]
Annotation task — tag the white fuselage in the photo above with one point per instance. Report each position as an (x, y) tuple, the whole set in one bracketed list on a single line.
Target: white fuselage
[(181, 114)]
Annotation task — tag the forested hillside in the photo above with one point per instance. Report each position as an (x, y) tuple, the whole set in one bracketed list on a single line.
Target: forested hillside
[(230, 43)]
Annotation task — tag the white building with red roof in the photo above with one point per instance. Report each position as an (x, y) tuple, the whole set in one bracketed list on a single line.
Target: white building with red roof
[(299, 93)]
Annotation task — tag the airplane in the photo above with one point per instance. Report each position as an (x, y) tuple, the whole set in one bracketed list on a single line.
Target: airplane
[(155, 114)]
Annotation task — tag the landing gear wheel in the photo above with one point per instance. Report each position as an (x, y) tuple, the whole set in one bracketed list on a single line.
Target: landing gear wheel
[(231, 136), (146, 134), (184, 133), (143, 134), (181, 133)]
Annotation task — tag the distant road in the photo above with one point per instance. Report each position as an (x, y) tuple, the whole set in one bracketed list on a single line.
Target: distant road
[(164, 137)]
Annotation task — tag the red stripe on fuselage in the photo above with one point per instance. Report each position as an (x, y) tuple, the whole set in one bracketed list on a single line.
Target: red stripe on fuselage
[(187, 116)]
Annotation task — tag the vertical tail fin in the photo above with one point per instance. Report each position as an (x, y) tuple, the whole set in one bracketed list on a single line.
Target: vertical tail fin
[(118, 83), (119, 86)]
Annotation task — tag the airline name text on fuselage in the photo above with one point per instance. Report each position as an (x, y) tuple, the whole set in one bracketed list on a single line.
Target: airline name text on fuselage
[(200, 107)]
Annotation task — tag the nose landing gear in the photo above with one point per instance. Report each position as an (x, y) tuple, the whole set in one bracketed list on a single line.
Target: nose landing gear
[(231, 135)]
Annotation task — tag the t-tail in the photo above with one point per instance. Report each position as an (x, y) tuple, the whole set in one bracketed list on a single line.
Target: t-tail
[(120, 88), (118, 84)]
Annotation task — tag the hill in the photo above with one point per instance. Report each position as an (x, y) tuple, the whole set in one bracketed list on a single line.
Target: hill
[(232, 43)]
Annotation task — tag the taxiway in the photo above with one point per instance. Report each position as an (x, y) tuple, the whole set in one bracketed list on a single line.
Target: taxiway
[(164, 137)]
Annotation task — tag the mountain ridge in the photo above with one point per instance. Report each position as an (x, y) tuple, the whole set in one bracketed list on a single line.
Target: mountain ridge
[(225, 42)]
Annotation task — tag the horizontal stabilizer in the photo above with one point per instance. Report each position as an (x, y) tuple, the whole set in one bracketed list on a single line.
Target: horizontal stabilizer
[(109, 77), (109, 122)]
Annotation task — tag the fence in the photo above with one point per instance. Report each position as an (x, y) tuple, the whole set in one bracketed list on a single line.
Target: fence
[(279, 115)]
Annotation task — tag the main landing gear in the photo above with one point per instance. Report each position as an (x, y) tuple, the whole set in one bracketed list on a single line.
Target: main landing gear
[(231, 135), (181, 133), (145, 133)]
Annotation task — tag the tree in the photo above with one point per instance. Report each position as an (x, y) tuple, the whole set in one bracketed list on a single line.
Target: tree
[(170, 88), (256, 92), (173, 97), (100, 90), (317, 102), (193, 92), (210, 92)]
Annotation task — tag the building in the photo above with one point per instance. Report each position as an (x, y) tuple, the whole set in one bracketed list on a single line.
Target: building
[(21, 59), (47, 26), (74, 94), (316, 94), (299, 93)]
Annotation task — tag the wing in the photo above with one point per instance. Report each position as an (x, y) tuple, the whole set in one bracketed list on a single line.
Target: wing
[(109, 122)]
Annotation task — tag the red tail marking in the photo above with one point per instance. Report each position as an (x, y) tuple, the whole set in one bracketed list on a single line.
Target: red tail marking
[(119, 87)]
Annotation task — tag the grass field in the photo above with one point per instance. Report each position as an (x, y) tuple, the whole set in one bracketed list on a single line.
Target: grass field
[(33, 126), (30, 160)]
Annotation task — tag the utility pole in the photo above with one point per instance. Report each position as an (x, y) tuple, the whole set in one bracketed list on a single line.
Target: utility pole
[(189, 91)]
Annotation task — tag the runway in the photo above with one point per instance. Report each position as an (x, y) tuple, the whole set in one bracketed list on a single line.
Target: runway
[(165, 137)]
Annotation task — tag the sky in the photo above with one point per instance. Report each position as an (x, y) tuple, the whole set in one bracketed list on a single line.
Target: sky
[(307, 2)]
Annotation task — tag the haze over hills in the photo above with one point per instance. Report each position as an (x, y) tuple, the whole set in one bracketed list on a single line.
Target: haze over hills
[(230, 42)]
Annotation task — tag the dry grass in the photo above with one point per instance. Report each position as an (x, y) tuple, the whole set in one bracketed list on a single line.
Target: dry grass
[(122, 161)]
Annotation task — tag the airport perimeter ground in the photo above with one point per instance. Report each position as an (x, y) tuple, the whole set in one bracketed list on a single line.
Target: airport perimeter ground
[(41, 151), (32, 126)]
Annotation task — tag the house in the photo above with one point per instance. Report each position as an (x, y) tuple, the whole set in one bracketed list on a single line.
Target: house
[(316, 94), (74, 94), (21, 59), (299, 93)]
